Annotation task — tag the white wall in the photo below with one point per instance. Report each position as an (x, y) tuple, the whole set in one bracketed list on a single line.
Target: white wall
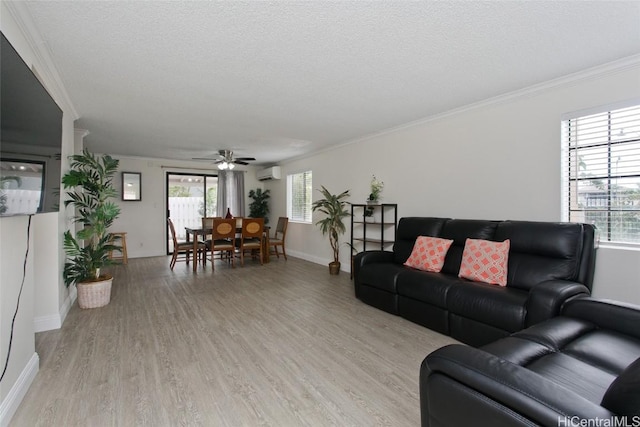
[(145, 221), (495, 160), (44, 299)]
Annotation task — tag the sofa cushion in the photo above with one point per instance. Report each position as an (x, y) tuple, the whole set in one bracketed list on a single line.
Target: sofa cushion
[(623, 395), (431, 288), (582, 378), (517, 350), (541, 251), (557, 350), (409, 228), (595, 349), (428, 253), (381, 276), (459, 230), (497, 306), (485, 261)]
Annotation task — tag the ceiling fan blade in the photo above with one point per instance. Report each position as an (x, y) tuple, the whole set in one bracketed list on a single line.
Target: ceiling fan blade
[(203, 158), (239, 162), (245, 159)]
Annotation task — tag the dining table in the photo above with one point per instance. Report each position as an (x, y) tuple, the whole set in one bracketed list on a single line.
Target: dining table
[(199, 231)]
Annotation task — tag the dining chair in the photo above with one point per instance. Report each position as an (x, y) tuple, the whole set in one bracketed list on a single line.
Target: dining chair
[(223, 239), (182, 249), (207, 223), (280, 235), (251, 237)]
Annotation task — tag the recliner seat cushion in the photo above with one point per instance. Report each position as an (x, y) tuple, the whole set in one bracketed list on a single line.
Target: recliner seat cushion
[(587, 380), (493, 305), (431, 288), (571, 352), (382, 276)]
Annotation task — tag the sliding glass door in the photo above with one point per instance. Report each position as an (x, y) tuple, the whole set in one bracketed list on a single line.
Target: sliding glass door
[(189, 198)]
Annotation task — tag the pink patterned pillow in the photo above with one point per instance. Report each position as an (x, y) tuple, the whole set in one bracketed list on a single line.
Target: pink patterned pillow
[(485, 261), (428, 253)]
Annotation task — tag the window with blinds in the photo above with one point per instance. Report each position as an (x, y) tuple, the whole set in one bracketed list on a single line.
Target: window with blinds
[(299, 189), (601, 177)]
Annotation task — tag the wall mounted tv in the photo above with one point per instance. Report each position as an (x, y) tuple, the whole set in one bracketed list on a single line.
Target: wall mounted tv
[(30, 139)]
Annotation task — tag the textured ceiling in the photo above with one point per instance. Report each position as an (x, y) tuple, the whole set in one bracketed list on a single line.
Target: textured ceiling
[(275, 80)]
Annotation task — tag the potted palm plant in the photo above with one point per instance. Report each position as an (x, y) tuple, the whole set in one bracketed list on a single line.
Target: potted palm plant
[(334, 208), (90, 181)]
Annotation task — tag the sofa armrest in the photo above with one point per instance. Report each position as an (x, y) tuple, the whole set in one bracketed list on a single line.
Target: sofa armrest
[(369, 257), (545, 299), (486, 385), (606, 314)]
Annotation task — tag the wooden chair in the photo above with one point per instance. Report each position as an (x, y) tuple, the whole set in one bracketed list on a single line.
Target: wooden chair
[(223, 239), (182, 248), (280, 235), (207, 222), (251, 238)]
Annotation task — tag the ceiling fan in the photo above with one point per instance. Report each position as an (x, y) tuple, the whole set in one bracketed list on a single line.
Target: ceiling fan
[(227, 161)]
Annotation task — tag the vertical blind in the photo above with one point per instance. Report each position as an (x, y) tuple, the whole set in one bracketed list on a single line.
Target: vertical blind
[(299, 200), (601, 173)]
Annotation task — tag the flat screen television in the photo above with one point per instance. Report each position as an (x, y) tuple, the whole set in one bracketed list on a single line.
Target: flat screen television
[(30, 139)]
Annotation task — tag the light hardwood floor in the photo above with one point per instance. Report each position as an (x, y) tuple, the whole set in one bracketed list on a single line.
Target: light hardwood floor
[(284, 344)]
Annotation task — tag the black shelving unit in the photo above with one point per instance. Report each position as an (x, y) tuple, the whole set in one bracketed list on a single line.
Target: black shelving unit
[(374, 232)]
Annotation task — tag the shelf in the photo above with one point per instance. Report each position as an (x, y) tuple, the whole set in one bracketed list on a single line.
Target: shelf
[(384, 221), (374, 206), (377, 241), (374, 223)]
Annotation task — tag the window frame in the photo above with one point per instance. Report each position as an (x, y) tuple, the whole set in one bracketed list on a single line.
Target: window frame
[(308, 196), (574, 150)]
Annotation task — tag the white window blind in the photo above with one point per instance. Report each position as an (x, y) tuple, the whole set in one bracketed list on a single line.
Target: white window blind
[(299, 189), (601, 173)]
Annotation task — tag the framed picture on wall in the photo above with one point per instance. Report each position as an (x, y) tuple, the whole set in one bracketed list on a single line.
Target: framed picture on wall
[(131, 186)]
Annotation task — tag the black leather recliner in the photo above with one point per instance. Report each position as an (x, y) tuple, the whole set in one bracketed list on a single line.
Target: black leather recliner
[(549, 263), (580, 366)]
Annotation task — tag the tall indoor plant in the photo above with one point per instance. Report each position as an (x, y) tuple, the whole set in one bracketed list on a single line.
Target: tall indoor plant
[(90, 181), (334, 208), (259, 207)]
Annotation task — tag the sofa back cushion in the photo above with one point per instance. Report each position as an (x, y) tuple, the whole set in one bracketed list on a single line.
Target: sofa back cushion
[(541, 251), (459, 230), (409, 228)]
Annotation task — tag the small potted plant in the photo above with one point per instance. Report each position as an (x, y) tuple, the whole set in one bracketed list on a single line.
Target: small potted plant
[(90, 181), (376, 190), (259, 208), (374, 197), (334, 208)]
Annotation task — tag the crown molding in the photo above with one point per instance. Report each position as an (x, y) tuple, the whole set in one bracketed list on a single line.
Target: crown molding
[(593, 73), (599, 71), (80, 133), (45, 64)]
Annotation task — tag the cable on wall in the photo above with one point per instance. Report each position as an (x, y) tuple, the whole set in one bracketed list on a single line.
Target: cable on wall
[(24, 274)]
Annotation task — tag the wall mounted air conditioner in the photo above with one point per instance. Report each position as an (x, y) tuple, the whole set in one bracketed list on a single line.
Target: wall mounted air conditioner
[(269, 173)]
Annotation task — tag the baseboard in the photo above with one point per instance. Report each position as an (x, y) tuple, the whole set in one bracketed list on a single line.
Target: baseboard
[(47, 323), (10, 404), (54, 321), (314, 259)]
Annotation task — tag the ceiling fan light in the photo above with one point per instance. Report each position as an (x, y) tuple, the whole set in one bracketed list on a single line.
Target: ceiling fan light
[(223, 166), (231, 166)]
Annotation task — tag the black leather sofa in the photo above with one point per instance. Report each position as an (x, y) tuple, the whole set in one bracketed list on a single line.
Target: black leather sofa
[(571, 370), (548, 264)]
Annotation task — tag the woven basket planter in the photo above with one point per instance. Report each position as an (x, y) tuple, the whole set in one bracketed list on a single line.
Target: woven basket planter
[(94, 294)]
